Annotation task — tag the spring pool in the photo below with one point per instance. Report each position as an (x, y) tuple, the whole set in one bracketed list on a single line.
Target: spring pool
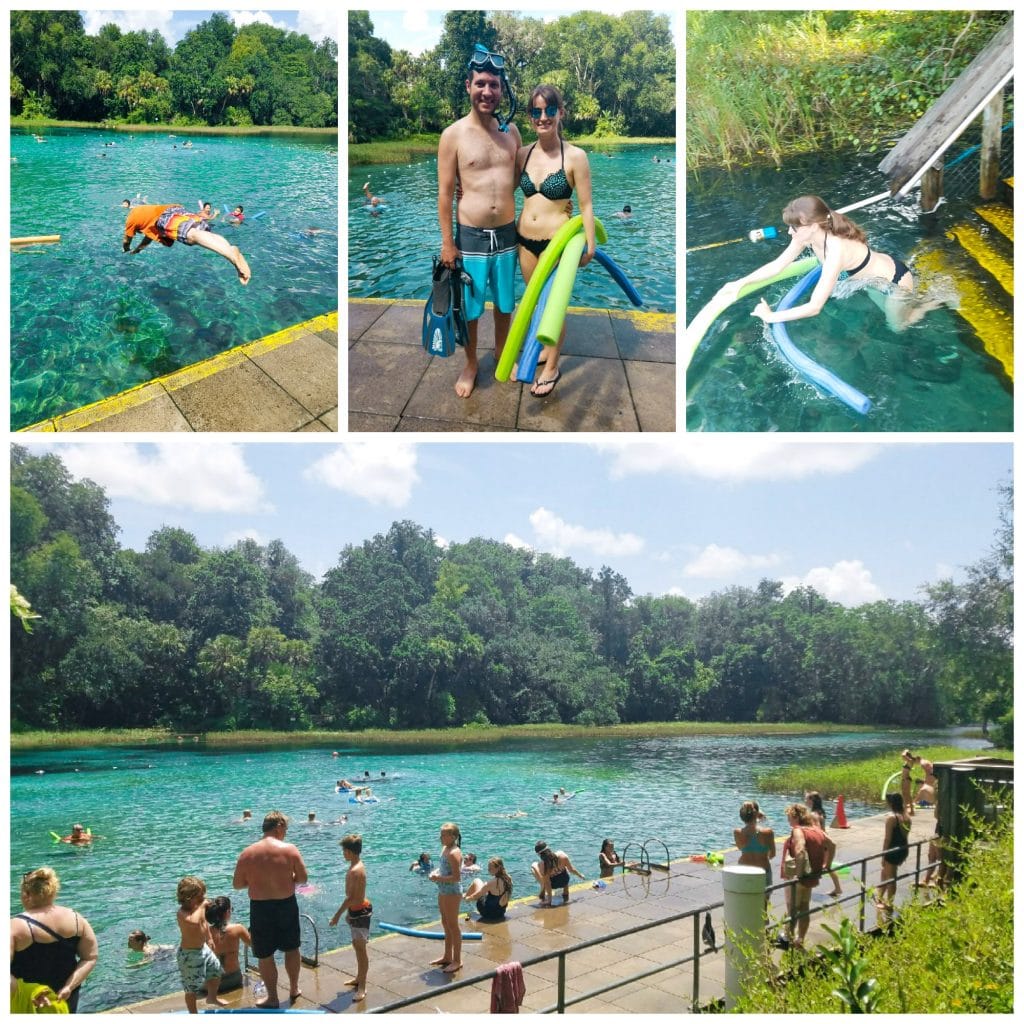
[(390, 254), (88, 321), (166, 813), (936, 375)]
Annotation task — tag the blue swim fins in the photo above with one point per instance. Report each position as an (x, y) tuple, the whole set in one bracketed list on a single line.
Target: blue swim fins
[(444, 325)]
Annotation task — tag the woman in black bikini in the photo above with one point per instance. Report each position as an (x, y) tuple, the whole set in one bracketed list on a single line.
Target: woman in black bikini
[(841, 246), (548, 172)]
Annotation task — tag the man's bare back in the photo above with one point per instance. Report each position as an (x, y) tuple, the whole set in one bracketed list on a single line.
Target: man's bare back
[(270, 869)]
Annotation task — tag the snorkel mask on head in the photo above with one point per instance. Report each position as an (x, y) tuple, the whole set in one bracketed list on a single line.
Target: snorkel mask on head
[(482, 59)]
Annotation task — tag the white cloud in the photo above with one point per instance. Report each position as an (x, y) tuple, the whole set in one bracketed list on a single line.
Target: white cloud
[(737, 460), (716, 562), (318, 23), (441, 542), (557, 536), (383, 473), (206, 476), (234, 536), (515, 541), (129, 21), (242, 18), (849, 582)]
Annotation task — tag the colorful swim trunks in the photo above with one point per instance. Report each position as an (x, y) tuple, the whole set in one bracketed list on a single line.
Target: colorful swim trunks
[(489, 257), (197, 966), (175, 224)]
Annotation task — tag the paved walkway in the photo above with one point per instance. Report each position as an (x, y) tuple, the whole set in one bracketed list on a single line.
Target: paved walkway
[(285, 381), (399, 965), (618, 366)]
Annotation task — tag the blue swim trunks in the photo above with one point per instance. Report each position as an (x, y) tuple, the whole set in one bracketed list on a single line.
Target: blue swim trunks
[(197, 966), (489, 257)]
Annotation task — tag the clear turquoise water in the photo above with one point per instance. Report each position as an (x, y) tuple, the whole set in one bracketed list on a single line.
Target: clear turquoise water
[(88, 321), (168, 813), (737, 381), (390, 254)]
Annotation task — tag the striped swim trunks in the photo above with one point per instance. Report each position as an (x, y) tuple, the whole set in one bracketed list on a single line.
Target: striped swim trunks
[(176, 222)]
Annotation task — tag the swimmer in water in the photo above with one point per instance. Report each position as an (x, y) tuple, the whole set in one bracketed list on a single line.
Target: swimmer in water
[(208, 211), (141, 952), (422, 864), (172, 223), (371, 199), (79, 837), (237, 215), (626, 213)]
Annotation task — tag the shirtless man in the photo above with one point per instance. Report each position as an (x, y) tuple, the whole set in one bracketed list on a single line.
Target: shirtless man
[(270, 869), (173, 223), (475, 151), (925, 796)]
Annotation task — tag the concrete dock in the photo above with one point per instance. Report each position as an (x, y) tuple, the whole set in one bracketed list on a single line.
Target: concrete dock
[(286, 381), (399, 965), (618, 374)]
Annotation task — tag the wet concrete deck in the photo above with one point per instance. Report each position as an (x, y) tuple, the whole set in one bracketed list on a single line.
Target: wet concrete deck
[(286, 381), (618, 374), (399, 965)]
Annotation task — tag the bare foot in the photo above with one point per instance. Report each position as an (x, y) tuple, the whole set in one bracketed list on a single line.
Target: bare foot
[(268, 1005), (294, 995), (244, 273), (359, 995), (352, 984), (452, 968), (439, 961), (217, 1001), (467, 381), (836, 892)]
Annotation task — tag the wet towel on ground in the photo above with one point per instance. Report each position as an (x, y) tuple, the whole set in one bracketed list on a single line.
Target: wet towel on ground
[(508, 988)]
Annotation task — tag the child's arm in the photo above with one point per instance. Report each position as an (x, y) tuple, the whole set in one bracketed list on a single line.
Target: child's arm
[(349, 882)]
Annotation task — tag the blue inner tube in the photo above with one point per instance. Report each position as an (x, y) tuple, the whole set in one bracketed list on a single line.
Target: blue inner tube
[(823, 379), (618, 276), (420, 934)]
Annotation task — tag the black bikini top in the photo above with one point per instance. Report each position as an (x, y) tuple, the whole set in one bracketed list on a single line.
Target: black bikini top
[(860, 266), (555, 186)]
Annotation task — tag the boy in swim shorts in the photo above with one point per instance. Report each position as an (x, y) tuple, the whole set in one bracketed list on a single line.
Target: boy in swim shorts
[(173, 223), (359, 911), (197, 962)]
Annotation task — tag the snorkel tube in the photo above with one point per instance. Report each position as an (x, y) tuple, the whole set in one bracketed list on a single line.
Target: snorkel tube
[(483, 59)]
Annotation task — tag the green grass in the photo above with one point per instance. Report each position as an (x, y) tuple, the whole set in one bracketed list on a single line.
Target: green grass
[(859, 780), (172, 129), (466, 736), (952, 957), (403, 151)]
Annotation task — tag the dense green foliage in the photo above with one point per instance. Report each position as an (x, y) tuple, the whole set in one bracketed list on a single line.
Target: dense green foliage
[(763, 86), (859, 779), (954, 957), (616, 73), (402, 633), (216, 75)]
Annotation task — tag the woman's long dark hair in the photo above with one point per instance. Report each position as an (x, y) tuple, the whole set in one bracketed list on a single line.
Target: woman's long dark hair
[(549, 94)]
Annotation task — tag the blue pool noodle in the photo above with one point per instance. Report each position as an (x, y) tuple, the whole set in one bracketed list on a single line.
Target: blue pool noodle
[(618, 276), (420, 934), (256, 216), (530, 352), (821, 378)]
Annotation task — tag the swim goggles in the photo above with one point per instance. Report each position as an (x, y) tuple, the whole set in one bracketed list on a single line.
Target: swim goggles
[(536, 113), (483, 58)]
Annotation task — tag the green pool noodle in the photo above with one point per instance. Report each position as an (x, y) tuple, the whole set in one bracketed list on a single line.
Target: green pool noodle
[(521, 321), (56, 838), (553, 320), (700, 324)]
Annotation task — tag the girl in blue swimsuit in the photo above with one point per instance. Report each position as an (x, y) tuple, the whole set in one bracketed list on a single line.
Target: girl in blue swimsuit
[(549, 171), (841, 247), (449, 896), (756, 842)]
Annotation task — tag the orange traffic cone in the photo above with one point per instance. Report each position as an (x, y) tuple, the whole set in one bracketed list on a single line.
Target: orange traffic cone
[(839, 821)]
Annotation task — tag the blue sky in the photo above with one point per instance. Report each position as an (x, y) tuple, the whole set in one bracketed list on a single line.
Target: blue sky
[(317, 23), (859, 522), (419, 29)]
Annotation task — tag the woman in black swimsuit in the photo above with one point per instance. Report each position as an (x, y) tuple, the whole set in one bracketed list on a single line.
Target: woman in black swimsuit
[(841, 246), (51, 945), (548, 172)]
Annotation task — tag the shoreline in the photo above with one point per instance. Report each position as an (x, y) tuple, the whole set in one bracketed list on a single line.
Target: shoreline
[(41, 740), (176, 129)]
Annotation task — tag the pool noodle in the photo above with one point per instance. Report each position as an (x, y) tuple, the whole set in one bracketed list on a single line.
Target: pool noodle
[(702, 322), (553, 320), (256, 216), (530, 353), (817, 374), (418, 934), (618, 276), (34, 239)]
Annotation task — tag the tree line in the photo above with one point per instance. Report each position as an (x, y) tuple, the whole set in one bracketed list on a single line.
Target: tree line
[(217, 74), (615, 72), (402, 633)]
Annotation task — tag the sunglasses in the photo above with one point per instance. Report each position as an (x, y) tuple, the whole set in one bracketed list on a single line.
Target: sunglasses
[(536, 113), (482, 57)]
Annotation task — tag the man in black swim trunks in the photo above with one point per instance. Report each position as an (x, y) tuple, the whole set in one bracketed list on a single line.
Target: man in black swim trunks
[(270, 869)]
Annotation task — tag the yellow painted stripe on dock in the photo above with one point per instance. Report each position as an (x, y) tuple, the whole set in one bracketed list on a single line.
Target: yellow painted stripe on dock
[(140, 394), (992, 324), (1000, 217), (984, 254)]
